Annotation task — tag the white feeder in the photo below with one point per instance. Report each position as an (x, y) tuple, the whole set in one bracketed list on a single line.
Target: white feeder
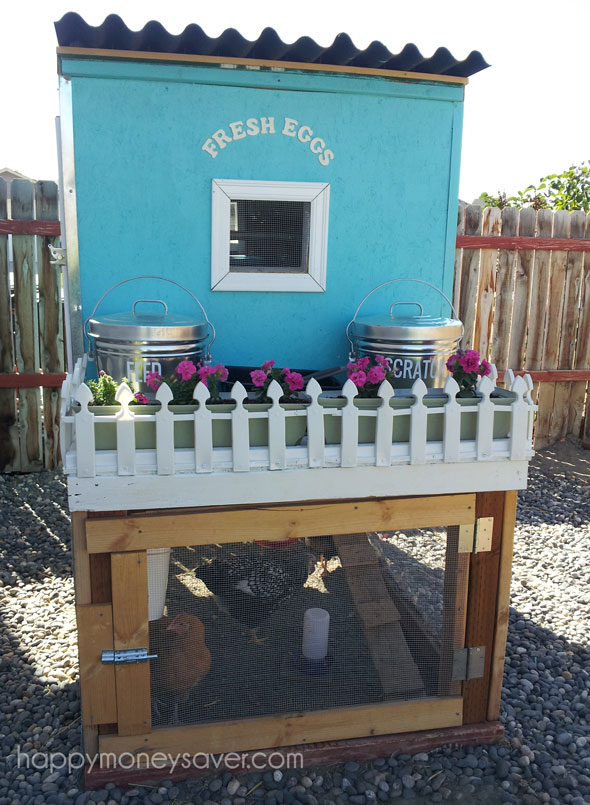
[(316, 629), (158, 561)]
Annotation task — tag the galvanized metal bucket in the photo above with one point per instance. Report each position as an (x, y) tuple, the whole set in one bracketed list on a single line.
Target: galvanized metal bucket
[(133, 343), (417, 345)]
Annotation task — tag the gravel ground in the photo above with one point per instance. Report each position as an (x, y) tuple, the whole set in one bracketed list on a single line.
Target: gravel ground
[(544, 758)]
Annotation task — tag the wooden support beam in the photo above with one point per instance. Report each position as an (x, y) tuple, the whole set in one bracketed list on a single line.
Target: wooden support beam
[(83, 593), (454, 615), (516, 242), (8, 226), (31, 380), (97, 680), (130, 625), (481, 607), (206, 526), (502, 606), (290, 729)]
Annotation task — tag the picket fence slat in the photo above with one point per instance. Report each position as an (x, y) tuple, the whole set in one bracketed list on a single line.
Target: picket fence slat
[(240, 433), (26, 328), (315, 425), (9, 444), (125, 432), (203, 430), (350, 427), (51, 331), (491, 226), (276, 429), (469, 278), (539, 293), (522, 292), (384, 427)]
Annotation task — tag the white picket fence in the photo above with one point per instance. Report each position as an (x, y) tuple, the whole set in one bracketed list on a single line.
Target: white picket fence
[(82, 459)]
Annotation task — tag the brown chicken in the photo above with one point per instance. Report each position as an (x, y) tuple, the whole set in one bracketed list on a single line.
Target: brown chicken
[(183, 659)]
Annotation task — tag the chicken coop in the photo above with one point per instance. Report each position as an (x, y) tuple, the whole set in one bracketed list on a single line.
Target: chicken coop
[(329, 573)]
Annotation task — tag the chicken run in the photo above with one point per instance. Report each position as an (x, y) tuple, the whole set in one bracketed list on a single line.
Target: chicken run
[(230, 644)]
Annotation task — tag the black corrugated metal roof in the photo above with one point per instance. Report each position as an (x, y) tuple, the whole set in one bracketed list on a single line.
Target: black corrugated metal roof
[(113, 34)]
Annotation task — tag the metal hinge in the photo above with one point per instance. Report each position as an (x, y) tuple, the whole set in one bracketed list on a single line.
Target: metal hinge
[(476, 538), (59, 255), (468, 663), (127, 655)]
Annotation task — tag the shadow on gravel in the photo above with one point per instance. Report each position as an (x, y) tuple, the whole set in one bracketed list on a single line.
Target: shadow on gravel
[(35, 531)]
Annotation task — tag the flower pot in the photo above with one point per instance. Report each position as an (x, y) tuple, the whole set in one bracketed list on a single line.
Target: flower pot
[(295, 426), (158, 561)]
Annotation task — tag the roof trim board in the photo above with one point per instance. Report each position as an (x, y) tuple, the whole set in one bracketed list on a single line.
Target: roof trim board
[(256, 63)]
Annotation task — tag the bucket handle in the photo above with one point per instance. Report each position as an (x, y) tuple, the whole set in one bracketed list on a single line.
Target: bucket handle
[(352, 353), (155, 301), (406, 303), (149, 277)]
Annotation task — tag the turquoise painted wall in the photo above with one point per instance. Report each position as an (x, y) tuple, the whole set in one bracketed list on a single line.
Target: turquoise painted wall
[(143, 187)]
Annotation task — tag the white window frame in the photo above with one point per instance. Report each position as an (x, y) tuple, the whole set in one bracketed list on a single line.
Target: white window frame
[(226, 190)]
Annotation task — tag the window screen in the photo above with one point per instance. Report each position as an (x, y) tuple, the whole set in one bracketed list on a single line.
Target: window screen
[(269, 235)]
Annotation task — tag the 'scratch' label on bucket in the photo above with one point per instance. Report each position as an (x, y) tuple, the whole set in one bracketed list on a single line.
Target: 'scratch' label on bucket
[(413, 369)]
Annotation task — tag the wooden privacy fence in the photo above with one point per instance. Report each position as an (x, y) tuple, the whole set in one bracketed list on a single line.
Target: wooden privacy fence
[(522, 289), (31, 327)]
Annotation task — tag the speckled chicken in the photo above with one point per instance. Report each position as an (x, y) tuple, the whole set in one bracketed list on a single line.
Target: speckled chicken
[(251, 588)]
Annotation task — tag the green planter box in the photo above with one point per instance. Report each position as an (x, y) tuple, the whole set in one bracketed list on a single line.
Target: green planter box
[(184, 431), (401, 424)]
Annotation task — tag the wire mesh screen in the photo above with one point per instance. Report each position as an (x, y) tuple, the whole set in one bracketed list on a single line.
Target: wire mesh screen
[(327, 622), (269, 236)]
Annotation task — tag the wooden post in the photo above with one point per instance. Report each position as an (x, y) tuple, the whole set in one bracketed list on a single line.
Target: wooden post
[(502, 606), (83, 592), (481, 607), (130, 624)]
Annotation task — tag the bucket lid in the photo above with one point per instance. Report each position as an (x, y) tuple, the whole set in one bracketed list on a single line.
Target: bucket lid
[(159, 327), (407, 328)]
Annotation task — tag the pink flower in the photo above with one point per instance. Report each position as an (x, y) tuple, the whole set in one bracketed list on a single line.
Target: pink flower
[(258, 377), (485, 368), (470, 361), (381, 360), (221, 371), (352, 367), (359, 379), (140, 398), (204, 372), (375, 374), (452, 362), (186, 369), (153, 380), (267, 365), (362, 363), (102, 373), (294, 380)]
